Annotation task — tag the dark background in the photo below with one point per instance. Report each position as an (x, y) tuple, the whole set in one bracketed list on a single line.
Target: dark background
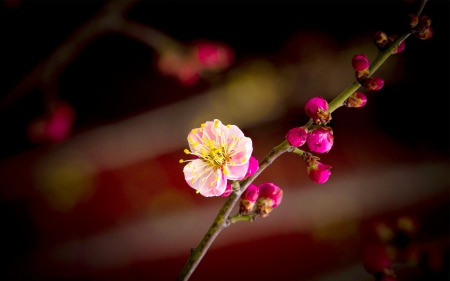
[(104, 85)]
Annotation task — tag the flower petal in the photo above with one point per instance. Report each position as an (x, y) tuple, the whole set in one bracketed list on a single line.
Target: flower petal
[(207, 181), (237, 172)]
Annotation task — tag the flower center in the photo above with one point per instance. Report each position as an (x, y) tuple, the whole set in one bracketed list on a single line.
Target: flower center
[(215, 155)]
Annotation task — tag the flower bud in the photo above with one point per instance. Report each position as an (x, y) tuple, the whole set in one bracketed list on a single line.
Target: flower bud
[(253, 166), (297, 136), (400, 47), (248, 199), (318, 172), (407, 225), (360, 62), (213, 56), (270, 196), (55, 127), (357, 99), (373, 83), (424, 21), (317, 109), (321, 139), (425, 34), (412, 20), (380, 40)]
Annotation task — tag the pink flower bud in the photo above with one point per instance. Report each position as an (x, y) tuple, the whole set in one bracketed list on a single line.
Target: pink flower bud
[(376, 258), (400, 47), (357, 99), (380, 40), (270, 196), (425, 34), (53, 128), (317, 109), (424, 21), (321, 140), (297, 136), (248, 199), (318, 172), (373, 83), (228, 190), (253, 166), (214, 55), (412, 20), (360, 62)]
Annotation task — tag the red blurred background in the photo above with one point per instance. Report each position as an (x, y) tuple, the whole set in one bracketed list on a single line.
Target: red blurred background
[(110, 202)]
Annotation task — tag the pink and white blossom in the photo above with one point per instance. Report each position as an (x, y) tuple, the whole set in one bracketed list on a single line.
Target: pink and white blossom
[(223, 153)]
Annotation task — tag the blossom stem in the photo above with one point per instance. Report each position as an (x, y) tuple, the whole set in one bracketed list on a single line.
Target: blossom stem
[(243, 217), (222, 219), (218, 224)]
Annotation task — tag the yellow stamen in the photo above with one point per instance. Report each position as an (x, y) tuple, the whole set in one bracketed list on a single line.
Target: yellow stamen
[(181, 161), (228, 126), (187, 151)]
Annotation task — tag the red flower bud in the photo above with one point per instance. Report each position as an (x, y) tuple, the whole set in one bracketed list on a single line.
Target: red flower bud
[(400, 47), (373, 83), (318, 172), (360, 62), (253, 166), (317, 109), (357, 99), (297, 136), (270, 196), (53, 128), (248, 199), (321, 139), (380, 40), (412, 20)]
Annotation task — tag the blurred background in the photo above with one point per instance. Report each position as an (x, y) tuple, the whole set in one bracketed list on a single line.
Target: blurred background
[(109, 200)]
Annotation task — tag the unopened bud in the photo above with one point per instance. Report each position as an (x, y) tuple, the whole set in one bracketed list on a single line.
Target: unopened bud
[(360, 62), (380, 40), (270, 196), (253, 166), (317, 109), (424, 21), (321, 139), (297, 136), (412, 20), (248, 199), (357, 99), (400, 47), (373, 83)]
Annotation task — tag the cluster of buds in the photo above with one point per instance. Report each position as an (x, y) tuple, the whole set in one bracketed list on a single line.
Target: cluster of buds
[(320, 138), (53, 127), (361, 65), (266, 197), (202, 56), (382, 41), (420, 26)]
